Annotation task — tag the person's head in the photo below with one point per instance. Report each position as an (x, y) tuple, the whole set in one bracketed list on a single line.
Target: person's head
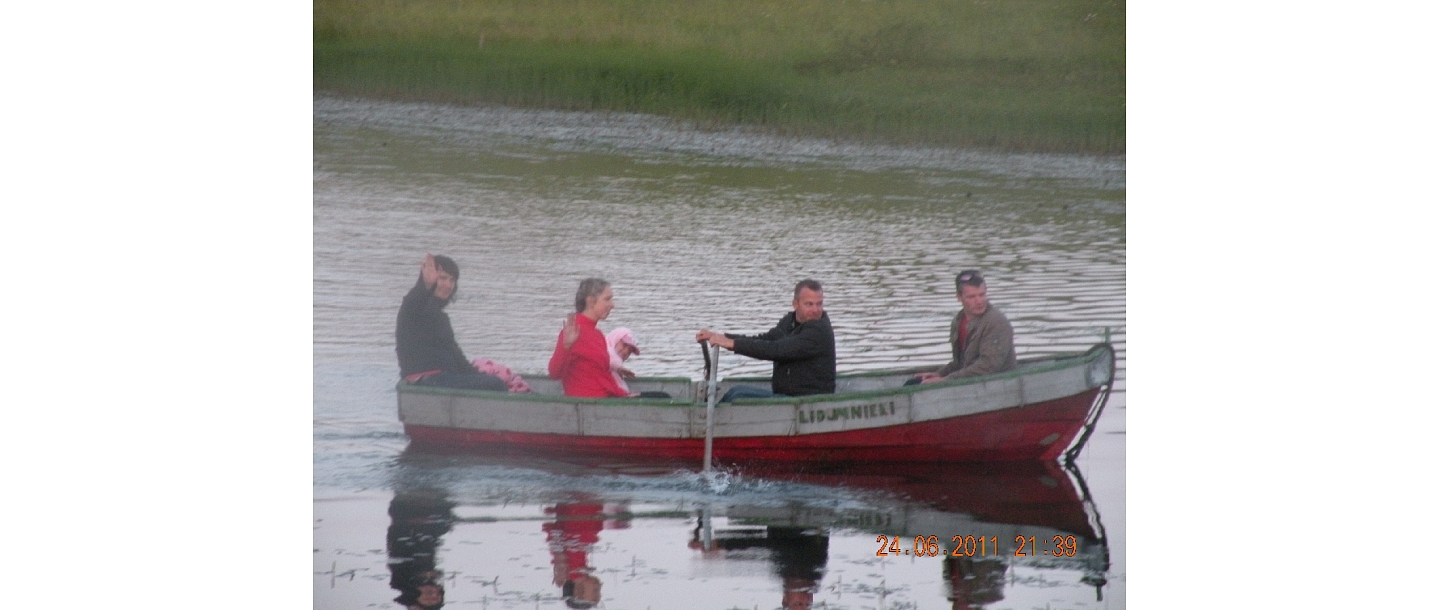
[(799, 594), (624, 342), (809, 301), (797, 600), (582, 592), (424, 593), (970, 291), (432, 595), (447, 276), (594, 298)]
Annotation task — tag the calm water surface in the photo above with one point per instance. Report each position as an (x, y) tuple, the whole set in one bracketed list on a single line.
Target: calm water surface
[(697, 229)]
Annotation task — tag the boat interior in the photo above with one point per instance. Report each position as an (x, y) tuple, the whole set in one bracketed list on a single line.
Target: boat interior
[(689, 390)]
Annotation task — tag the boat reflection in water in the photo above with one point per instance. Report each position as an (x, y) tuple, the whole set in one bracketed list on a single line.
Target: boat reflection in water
[(782, 521), (977, 506)]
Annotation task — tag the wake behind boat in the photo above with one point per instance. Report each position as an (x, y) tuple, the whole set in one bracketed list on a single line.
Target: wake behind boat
[(1043, 409)]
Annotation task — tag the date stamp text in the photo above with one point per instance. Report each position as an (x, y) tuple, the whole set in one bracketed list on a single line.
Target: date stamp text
[(977, 546)]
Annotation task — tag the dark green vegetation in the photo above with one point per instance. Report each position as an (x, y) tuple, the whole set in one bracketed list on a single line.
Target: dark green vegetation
[(1018, 74)]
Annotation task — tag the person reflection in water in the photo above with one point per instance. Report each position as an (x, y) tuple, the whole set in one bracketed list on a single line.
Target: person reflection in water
[(571, 536), (973, 583), (798, 555), (417, 521)]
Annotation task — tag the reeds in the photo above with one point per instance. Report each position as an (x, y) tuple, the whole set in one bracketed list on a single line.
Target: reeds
[(1017, 74)]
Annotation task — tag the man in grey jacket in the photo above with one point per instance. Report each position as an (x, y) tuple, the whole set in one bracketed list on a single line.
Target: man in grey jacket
[(981, 339)]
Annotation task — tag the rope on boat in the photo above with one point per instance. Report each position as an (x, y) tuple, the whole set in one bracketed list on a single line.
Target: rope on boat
[(1093, 418)]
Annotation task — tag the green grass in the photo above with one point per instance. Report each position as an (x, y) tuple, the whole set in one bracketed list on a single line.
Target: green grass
[(1018, 74)]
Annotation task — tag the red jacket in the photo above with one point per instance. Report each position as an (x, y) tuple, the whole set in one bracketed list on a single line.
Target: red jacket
[(584, 369)]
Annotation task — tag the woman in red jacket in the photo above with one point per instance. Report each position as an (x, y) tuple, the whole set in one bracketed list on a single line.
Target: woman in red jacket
[(582, 358)]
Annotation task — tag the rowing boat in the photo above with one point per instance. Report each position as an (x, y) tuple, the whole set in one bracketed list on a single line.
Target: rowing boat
[(1043, 409)]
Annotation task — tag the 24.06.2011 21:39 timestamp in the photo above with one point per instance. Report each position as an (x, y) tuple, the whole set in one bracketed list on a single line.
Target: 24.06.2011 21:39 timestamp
[(978, 546)]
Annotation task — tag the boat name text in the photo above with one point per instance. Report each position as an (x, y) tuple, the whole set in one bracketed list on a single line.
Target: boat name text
[(874, 409)]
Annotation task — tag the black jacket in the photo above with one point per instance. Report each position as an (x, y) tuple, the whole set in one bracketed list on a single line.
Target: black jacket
[(424, 340), (804, 355)]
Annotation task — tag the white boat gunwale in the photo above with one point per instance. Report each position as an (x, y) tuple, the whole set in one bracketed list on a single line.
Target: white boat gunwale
[(1024, 368)]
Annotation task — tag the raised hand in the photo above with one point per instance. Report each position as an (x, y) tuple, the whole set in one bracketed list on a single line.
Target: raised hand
[(428, 273), (571, 332)]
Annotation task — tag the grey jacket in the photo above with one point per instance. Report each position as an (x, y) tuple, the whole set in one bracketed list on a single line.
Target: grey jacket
[(989, 346)]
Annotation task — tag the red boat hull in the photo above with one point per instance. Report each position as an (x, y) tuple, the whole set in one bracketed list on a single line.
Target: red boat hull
[(1040, 431)]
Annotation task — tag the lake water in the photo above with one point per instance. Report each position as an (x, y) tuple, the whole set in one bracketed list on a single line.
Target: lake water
[(698, 229)]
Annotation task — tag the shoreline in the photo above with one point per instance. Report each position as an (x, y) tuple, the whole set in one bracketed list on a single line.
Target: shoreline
[(1024, 76), (660, 137)]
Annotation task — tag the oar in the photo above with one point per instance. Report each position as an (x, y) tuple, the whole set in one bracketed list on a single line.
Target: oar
[(712, 374), (707, 542)]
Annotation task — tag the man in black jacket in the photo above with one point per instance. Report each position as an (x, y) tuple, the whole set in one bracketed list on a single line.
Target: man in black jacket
[(802, 346)]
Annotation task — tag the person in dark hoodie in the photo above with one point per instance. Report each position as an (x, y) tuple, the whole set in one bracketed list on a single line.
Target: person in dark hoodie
[(425, 342), (802, 346)]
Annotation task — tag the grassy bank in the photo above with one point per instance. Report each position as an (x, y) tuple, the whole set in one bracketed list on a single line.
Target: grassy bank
[(1019, 74)]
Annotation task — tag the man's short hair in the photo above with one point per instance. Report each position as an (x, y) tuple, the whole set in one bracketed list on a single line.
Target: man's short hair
[(807, 283), (589, 287), (968, 277)]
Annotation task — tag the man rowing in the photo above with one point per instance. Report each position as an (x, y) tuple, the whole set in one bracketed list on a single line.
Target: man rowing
[(802, 346)]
